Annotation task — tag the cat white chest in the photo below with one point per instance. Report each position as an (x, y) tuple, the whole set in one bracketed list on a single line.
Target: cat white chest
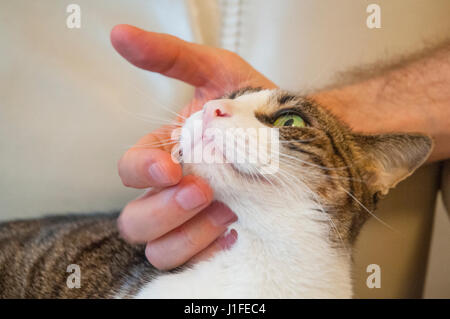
[(255, 269)]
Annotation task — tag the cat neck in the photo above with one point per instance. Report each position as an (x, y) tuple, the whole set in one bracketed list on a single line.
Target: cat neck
[(263, 263), (291, 246)]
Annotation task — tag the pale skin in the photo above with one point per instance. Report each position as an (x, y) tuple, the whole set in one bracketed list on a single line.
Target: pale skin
[(176, 220)]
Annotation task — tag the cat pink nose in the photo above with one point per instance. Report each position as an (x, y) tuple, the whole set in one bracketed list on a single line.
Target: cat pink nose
[(216, 108)]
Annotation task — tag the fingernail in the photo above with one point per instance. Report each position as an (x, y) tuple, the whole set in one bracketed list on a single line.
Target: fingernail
[(228, 240), (221, 215), (190, 197), (158, 173)]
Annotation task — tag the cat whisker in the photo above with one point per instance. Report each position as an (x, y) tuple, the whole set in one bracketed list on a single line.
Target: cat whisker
[(319, 174), (159, 104), (297, 140), (312, 164), (160, 121), (367, 210), (153, 145), (151, 119)]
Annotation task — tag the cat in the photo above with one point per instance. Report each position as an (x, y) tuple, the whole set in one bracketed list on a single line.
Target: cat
[(296, 223)]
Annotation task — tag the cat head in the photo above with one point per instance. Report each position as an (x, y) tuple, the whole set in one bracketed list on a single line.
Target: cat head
[(283, 152)]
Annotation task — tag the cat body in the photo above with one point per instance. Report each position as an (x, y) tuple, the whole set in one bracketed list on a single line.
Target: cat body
[(35, 256), (296, 221)]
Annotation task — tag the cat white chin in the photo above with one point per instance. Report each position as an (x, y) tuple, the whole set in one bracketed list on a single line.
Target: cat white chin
[(203, 157)]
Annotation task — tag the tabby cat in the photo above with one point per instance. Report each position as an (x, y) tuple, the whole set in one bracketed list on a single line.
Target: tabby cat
[(296, 224)]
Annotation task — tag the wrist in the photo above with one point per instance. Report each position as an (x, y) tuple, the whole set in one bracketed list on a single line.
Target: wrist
[(365, 109)]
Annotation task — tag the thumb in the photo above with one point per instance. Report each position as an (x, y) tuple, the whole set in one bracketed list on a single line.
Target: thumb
[(165, 54)]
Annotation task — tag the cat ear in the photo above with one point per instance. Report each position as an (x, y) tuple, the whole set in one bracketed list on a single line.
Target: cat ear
[(390, 158)]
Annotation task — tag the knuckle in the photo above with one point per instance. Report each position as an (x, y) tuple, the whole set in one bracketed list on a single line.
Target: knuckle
[(188, 238)]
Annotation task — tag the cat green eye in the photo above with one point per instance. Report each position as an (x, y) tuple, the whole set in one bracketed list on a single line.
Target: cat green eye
[(294, 120)]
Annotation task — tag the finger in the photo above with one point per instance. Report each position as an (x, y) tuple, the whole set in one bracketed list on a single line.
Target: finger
[(142, 168), (150, 217), (149, 163), (182, 243), (226, 241), (165, 54)]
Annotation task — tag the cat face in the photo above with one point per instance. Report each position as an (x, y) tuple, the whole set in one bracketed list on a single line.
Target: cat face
[(284, 150)]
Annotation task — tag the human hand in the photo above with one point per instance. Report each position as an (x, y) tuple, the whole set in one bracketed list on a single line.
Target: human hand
[(176, 219)]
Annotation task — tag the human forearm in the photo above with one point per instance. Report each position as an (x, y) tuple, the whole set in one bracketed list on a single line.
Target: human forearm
[(410, 97)]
